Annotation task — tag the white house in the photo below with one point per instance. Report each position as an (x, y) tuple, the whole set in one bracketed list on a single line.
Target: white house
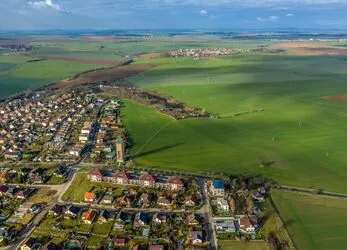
[(218, 188)]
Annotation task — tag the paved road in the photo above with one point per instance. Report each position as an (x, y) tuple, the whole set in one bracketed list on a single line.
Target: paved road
[(37, 219), (207, 213)]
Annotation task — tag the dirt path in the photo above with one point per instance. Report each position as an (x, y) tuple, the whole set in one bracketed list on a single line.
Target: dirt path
[(311, 191), (153, 136)]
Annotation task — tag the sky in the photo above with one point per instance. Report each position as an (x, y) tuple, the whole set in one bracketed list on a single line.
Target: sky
[(172, 14)]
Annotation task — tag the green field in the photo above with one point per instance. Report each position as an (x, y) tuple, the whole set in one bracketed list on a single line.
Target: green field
[(113, 50), (236, 245), (299, 132), (17, 73), (314, 222)]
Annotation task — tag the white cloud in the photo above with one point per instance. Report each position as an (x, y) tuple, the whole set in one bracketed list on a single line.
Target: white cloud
[(44, 4), (203, 12), (268, 19), (289, 15)]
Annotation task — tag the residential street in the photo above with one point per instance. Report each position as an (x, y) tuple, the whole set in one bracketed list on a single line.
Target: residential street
[(36, 221), (205, 211)]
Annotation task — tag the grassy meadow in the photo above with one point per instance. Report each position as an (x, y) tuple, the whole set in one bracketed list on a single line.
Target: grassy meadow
[(314, 222), (298, 132)]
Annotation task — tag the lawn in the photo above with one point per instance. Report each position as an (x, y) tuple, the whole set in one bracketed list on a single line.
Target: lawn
[(68, 224), (43, 195), (103, 228), (80, 185), (228, 245), (46, 228), (297, 130), (83, 227), (46, 225), (95, 242), (26, 218), (314, 222), (55, 180)]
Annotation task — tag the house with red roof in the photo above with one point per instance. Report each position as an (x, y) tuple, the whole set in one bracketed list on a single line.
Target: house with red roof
[(89, 197), (121, 177), (88, 216), (95, 175), (119, 242), (247, 224), (147, 180), (174, 183)]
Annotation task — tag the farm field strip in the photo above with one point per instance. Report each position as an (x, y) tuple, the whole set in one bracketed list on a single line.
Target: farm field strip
[(314, 222)]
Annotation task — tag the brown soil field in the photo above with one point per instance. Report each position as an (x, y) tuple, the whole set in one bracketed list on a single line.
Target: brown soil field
[(105, 74), (79, 59), (105, 38), (337, 97), (150, 55), (305, 48)]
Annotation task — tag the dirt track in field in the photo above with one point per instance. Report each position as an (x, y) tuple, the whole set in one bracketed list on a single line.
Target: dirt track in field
[(105, 74), (150, 55), (306, 48), (337, 97)]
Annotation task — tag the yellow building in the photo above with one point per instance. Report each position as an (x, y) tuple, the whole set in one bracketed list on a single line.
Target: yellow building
[(120, 148)]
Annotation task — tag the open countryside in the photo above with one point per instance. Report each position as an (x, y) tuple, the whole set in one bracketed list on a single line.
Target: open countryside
[(199, 132), (270, 110)]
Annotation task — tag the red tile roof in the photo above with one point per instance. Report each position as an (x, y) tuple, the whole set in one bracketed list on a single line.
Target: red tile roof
[(174, 180), (88, 215), (245, 221), (147, 177), (121, 174), (89, 196), (120, 241), (95, 171)]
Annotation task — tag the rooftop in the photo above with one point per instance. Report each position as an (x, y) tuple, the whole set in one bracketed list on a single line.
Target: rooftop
[(218, 184)]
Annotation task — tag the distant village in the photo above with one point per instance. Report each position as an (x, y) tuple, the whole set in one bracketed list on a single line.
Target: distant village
[(208, 52)]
